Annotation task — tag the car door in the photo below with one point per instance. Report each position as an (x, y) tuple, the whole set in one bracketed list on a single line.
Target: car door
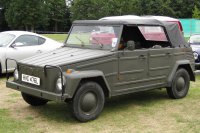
[(160, 54), (160, 62), (24, 46), (132, 69)]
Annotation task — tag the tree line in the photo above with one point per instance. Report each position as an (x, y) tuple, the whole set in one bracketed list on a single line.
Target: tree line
[(57, 15), (95, 9), (42, 15)]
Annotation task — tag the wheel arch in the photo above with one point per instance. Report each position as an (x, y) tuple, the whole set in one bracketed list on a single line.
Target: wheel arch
[(185, 64), (189, 70), (75, 80), (100, 80), (2, 65)]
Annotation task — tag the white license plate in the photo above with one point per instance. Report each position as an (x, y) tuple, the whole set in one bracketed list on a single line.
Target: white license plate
[(31, 79)]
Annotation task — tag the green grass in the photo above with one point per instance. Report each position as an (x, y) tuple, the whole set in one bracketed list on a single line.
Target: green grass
[(187, 38), (11, 125), (144, 112), (15, 94), (57, 37)]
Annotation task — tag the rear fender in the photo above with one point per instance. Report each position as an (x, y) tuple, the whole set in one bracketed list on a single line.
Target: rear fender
[(181, 64)]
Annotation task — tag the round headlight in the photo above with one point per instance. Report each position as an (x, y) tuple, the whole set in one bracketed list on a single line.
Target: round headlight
[(16, 74), (195, 55), (59, 83)]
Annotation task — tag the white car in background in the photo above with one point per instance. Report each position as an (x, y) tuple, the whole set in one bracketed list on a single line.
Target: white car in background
[(22, 44)]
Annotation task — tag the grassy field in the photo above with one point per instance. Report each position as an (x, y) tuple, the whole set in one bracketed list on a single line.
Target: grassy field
[(58, 37), (145, 112)]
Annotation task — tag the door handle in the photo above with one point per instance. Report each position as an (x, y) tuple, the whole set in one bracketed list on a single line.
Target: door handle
[(142, 57), (168, 54), (39, 51)]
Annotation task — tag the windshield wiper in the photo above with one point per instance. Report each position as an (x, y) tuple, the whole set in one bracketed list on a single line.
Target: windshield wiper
[(82, 42), (99, 43)]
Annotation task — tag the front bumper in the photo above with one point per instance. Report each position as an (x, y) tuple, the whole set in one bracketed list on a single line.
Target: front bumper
[(35, 92)]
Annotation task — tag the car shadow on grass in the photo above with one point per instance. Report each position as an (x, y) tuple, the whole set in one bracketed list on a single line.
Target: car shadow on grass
[(61, 112), (56, 111), (142, 99), (4, 76)]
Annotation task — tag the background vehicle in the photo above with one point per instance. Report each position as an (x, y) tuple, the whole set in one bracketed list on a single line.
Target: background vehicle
[(194, 42), (84, 73), (21, 44), (103, 35)]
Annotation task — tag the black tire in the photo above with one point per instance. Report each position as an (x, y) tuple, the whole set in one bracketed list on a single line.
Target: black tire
[(33, 100), (88, 102), (180, 84)]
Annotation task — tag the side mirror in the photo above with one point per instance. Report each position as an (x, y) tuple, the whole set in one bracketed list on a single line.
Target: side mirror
[(17, 44), (130, 45)]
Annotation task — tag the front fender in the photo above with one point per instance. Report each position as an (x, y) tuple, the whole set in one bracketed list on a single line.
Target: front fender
[(74, 79)]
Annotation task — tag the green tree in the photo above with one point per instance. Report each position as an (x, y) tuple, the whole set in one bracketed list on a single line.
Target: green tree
[(58, 12), (95, 9), (158, 7), (28, 14), (3, 7), (182, 8), (4, 3), (196, 12)]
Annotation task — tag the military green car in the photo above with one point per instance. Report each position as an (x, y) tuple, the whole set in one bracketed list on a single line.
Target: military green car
[(102, 59)]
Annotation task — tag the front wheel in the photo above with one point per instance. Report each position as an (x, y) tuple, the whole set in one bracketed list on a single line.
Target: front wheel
[(180, 84), (33, 100), (88, 101)]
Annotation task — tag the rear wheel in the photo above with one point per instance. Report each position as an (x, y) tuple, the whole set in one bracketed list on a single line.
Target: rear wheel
[(33, 100), (180, 84), (88, 101)]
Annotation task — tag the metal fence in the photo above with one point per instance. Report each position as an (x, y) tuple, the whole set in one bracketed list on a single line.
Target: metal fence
[(190, 26)]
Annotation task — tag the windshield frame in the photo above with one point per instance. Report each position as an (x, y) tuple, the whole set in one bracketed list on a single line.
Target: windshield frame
[(11, 41), (94, 46)]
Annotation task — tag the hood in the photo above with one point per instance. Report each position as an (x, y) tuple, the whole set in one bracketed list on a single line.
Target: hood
[(64, 55)]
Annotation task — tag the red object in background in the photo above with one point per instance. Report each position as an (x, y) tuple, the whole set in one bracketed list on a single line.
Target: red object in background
[(179, 24), (102, 38)]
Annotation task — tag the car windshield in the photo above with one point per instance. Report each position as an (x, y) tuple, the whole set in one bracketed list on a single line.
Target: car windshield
[(5, 39), (195, 39), (104, 37)]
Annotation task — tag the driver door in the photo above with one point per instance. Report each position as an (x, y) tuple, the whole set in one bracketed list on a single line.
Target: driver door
[(132, 69)]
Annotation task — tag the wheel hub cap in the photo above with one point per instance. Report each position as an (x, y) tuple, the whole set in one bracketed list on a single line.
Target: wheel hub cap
[(89, 102), (180, 84)]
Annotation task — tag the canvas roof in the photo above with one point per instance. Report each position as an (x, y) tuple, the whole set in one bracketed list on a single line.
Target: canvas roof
[(175, 36)]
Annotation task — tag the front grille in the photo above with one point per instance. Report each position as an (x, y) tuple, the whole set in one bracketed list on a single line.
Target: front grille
[(32, 71), (47, 80)]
